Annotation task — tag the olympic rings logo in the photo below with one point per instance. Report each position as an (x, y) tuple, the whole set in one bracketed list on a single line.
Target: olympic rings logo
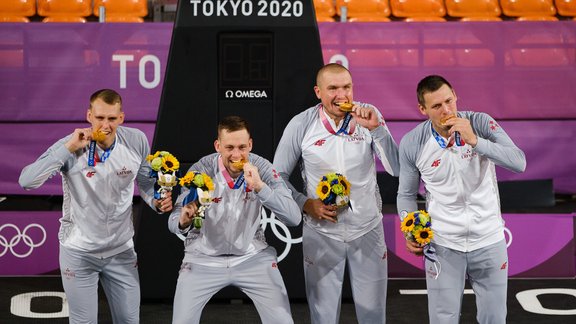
[(274, 224), (286, 237), (23, 237), (509, 233)]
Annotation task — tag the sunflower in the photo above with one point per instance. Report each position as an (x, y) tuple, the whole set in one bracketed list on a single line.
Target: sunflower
[(208, 182), (408, 223), (170, 163), (423, 235), (323, 190), (187, 179), (345, 184)]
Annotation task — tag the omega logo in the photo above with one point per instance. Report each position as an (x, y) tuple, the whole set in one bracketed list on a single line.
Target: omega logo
[(246, 94)]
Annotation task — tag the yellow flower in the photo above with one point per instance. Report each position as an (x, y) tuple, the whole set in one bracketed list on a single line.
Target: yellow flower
[(423, 235), (151, 157), (346, 185), (208, 182), (408, 223), (330, 177), (170, 163), (323, 190), (187, 179)]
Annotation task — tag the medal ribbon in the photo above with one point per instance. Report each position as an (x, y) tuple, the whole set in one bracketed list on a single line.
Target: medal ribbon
[(93, 157), (454, 139), (231, 183), (347, 121)]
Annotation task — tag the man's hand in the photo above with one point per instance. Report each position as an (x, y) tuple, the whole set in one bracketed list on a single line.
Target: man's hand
[(316, 209), (187, 215), (252, 177), (365, 116), (164, 205), (414, 248), (79, 139), (463, 126)]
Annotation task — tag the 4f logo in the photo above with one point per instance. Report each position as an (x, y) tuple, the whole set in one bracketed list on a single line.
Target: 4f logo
[(216, 199), (436, 163), (90, 174), (320, 142)]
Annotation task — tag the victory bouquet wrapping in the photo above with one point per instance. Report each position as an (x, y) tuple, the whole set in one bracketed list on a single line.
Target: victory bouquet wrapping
[(417, 227), (164, 167), (201, 190)]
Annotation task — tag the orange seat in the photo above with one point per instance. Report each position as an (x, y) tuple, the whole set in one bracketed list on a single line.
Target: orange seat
[(537, 18), (474, 9), (483, 18), (528, 8), (12, 19), (64, 10), (418, 10), (122, 10), (64, 19), (364, 10), (17, 10), (325, 10), (566, 7), (424, 18)]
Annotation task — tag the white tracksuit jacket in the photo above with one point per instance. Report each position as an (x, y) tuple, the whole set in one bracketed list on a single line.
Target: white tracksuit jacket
[(461, 189), (97, 206), (232, 232), (307, 141)]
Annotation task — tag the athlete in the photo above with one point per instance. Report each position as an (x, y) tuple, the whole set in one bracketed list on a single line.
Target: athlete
[(98, 166), (327, 138), (455, 153), (230, 248)]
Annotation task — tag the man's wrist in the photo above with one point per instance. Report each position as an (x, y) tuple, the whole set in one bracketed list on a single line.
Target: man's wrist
[(182, 227), (259, 187)]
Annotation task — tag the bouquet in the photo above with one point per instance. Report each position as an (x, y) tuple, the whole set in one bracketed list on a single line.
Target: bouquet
[(201, 190), (416, 227), (334, 189), (164, 167)]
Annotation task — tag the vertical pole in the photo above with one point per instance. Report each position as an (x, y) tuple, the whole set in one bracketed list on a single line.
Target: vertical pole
[(102, 14)]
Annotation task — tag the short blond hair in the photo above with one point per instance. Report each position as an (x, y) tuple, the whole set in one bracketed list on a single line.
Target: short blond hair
[(331, 67)]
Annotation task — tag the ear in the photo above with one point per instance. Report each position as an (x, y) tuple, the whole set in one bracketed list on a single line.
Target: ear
[(250, 145), (89, 116), (121, 118), (217, 146), (317, 91), (422, 110)]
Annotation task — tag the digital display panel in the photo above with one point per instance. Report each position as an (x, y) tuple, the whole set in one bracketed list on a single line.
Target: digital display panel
[(245, 63)]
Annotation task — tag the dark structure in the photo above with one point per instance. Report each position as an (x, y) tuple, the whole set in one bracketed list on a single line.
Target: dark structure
[(255, 59)]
